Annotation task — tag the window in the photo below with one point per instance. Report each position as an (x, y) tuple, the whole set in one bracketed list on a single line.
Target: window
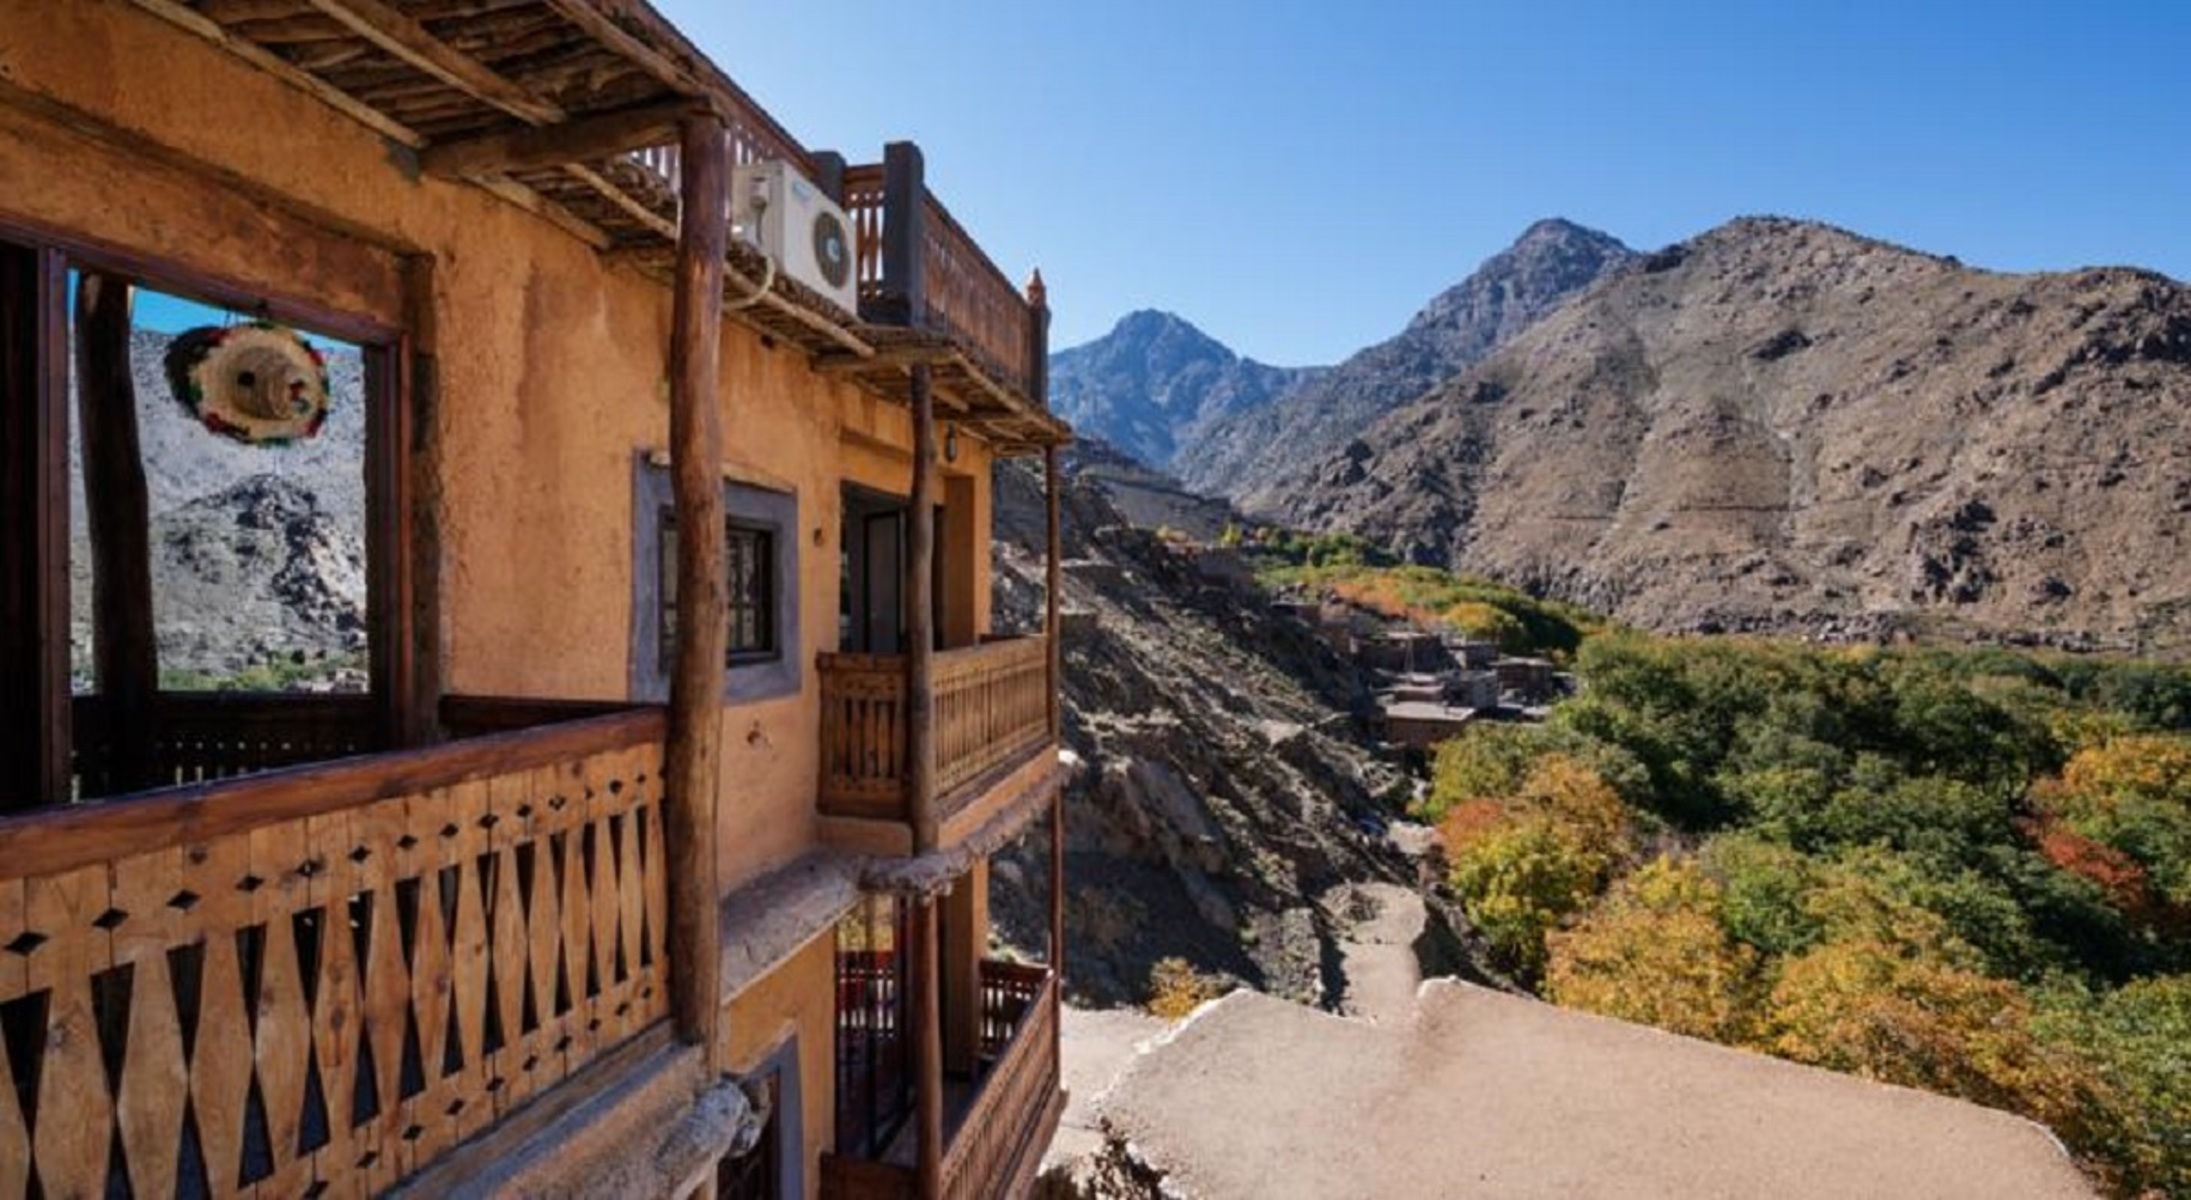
[(750, 556), (761, 657)]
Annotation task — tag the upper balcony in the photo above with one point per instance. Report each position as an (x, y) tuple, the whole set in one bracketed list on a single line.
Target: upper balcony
[(991, 707), (569, 108)]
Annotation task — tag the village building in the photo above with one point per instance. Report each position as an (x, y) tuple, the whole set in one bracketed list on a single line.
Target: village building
[(652, 858)]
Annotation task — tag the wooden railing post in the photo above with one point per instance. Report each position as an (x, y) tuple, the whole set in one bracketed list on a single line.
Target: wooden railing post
[(926, 1016), (118, 514), (920, 619), (1038, 341), (904, 251), (1053, 625), (828, 174), (696, 455)]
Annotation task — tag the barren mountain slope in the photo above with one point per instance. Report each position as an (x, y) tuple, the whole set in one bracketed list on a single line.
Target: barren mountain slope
[(1781, 425), (1226, 787), (1239, 455)]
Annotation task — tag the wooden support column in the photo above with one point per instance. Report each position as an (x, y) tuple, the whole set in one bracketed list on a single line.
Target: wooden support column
[(920, 620), (125, 657), (904, 244), (420, 470), (34, 637), (927, 1051), (1053, 628), (696, 682)]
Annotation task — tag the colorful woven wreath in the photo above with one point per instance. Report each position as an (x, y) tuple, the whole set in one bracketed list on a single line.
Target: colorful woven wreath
[(259, 384)]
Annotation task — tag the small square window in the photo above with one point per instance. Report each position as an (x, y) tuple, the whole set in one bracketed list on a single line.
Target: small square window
[(750, 559), (761, 572)]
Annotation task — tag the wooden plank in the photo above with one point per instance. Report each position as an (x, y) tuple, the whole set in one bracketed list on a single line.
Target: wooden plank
[(32, 428), (646, 217), (538, 1060), (61, 839), (14, 1139), (385, 983), (426, 1129), (118, 516), (281, 1040), (71, 1153), (468, 958), (155, 1084), (388, 549), (273, 64), (696, 448), (410, 41), (573, 1042), (507, 947), (548, 210), (338, 1008), (604, 29), (584, 139)]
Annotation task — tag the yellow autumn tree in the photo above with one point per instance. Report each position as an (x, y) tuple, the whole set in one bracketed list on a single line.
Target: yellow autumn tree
[(1656, 952), (1523, 863)]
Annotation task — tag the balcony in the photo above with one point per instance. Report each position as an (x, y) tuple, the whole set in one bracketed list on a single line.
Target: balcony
[(991, 712), (997, 1125), (322, 978)]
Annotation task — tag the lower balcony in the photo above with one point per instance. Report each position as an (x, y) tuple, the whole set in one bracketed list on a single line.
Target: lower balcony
[(997, 1124), (319, 979), (991, 708)]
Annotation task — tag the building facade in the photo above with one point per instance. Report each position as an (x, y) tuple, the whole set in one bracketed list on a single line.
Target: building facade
[(642, 863)]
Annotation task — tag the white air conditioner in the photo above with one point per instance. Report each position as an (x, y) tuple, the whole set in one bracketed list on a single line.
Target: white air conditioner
[(782, 214)]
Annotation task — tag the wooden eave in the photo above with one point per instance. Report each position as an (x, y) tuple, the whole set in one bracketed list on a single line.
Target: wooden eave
[(541, 102)]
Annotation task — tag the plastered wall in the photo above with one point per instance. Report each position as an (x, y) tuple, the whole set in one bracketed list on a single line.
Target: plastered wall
[(120, 128)]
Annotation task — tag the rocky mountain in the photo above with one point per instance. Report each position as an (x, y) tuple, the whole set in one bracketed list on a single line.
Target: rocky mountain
[(1154, 382), (258, 552), (1240, 455), (1229, 802), (1783, 426)]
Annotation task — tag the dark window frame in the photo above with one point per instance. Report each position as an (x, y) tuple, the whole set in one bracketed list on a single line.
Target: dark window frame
[(749, 674)]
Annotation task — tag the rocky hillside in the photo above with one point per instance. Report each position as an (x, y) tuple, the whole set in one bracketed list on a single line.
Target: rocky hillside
[(1228, 792), (1155, 382), (1783, 426), (258, 552), (1240, 455)]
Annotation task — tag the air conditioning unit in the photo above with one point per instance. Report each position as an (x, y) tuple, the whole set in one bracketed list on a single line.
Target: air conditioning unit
[(781, 213)]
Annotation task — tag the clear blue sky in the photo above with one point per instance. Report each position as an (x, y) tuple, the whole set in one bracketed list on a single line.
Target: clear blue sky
[(1297, 178)]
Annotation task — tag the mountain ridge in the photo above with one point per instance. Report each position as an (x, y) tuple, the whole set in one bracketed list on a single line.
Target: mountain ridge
[(1155, 381), (1785, 426), (1552, 260)]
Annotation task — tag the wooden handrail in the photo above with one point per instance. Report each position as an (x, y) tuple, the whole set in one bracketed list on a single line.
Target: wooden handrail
[(991, 704), (967, 297), (997, 1131), (63, 838), (324, 978)]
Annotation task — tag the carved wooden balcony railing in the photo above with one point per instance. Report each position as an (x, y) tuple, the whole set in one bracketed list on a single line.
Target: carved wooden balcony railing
[(991, 713), (1006, 991), (997, 1139), (960, 291), (1001, 1139), (199, 737), (317, 979)]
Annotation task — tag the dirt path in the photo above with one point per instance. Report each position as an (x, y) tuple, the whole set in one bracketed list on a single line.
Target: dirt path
[(1377, 954)]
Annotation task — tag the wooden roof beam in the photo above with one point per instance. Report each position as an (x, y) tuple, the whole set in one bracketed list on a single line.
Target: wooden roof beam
[(273, 64), (578, 140), (410, 41), (603, 29)]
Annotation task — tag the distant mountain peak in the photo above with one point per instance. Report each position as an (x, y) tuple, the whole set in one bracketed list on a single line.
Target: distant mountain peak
[(1156, 379), (1552, 260)]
